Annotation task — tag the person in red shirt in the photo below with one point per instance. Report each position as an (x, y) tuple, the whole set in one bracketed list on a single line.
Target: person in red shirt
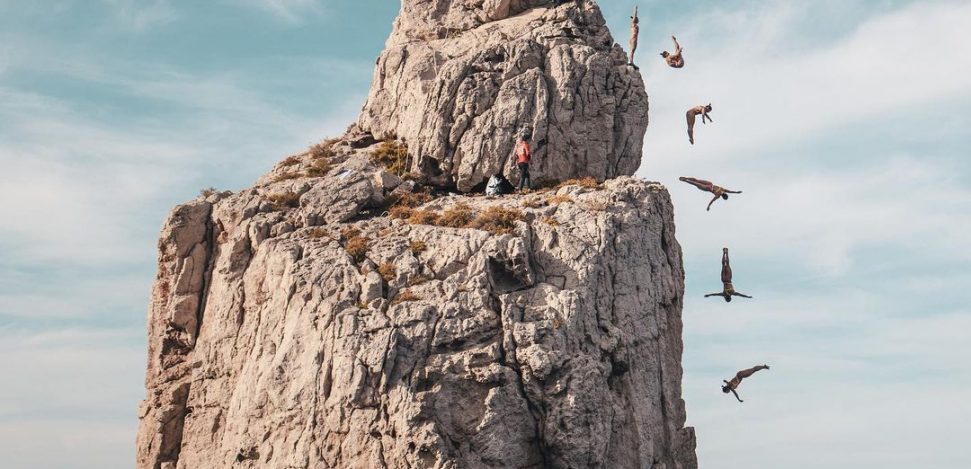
[(523, 154)]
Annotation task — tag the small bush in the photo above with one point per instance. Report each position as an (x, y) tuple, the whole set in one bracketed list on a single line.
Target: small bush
[(208, 192), (349, 232), (418, 280), (286, 177), (457, 217), (417, 247), (319, 168), (317, 233), (533, 203), (551, 221), (388, 271), (392, 155), (323, 149), (413, 199), (559, 199), (497, 220), (290, 161), (588, 182), (357, 247), (424, 217), (401, 212), (284, 200), (595, 205), (405, 297)]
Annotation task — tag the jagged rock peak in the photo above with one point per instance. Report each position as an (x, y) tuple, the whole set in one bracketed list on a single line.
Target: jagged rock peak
[(459, 80)]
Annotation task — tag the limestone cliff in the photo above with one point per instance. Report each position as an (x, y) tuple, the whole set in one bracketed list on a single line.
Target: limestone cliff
[(337, 316), (459, 80)]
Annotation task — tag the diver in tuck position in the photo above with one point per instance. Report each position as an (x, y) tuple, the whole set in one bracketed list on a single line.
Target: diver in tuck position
[(729, 290)]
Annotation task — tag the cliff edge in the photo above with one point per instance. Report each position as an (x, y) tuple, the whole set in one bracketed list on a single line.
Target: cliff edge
[(347, 312)]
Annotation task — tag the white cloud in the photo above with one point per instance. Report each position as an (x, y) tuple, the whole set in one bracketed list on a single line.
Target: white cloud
[(142, 15)]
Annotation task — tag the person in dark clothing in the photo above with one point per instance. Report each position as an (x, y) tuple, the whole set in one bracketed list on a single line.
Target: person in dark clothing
[(729, 290), (523, 155), (731, 386)]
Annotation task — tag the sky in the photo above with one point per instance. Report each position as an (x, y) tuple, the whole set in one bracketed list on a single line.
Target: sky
[(845, 123)]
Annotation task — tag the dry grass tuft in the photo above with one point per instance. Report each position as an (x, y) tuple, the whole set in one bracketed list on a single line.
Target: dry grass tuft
[(417, 247), (208, 192), (458, 216), (318, 233), (595, 205), (587, 182), (497, 220), (284, 200), (405, 297), (319, 168), (323, 149), (388, 271), (401, 212), (413, 199), (357, 248), (290, 161), (551, 221), (355, 244), (392, 155), (533, 203), (559, 199), (424, 217)]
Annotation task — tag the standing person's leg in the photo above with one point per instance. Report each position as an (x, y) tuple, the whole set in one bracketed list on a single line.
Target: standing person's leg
[(526, 178), (522, 175)]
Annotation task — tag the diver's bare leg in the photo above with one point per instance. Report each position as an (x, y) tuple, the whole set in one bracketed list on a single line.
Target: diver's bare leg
[(751, 371), (691, 127), (726, 267)]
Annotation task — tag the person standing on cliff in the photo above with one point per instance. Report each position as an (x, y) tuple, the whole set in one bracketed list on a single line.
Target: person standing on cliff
[(675, 60), (708, 186), (731, 386), (728, 290), (635, 30), (523, 155), (692, 114)]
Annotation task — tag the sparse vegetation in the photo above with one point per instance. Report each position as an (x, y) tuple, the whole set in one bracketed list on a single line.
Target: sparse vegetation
[(323, 149), (208, 192), (286, 177), (424, 217), (497, 220), (388, 271), (551, 221), (413, 199), (284, 200), (404, 297), (417, 247), (418, 280), (392, 155), (458, 216), (319, 168), (533, 203), (401, 212), (595, 205), (587, 182), (559, 199), (290, 161), (355, 244), (317, 233)]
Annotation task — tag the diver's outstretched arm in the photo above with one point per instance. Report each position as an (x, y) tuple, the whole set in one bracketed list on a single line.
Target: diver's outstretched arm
[(741, 295), (733, 192), (736, 396), (714, 294), (712, 201), (706, 116)]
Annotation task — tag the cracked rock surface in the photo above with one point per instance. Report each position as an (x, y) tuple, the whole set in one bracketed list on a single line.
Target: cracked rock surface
[(557, 344), (459, 80)]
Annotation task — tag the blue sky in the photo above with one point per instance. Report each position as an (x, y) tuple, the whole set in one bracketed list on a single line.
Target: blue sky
[(845, 123)]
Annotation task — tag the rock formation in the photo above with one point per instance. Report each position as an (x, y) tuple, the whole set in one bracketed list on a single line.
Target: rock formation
[(459, 80), (338, 316)]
